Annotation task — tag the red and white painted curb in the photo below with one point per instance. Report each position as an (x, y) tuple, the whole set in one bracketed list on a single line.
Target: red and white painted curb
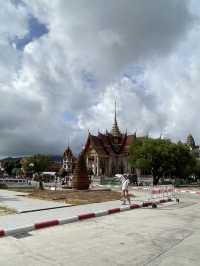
[(187, 191), (177, 190), (79, 217)]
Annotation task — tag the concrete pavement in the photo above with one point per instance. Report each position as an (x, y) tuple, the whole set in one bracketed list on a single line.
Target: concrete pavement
[(25, 222), (13, 200), (166, 236), (55, 214)]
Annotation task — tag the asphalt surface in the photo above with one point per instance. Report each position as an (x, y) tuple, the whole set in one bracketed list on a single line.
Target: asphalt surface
[(167, 235)]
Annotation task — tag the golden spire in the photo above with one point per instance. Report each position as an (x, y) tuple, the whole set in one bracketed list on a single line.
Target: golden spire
[(115, 129)]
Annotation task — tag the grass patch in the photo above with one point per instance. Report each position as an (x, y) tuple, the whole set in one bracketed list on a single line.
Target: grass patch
[(4, 211)]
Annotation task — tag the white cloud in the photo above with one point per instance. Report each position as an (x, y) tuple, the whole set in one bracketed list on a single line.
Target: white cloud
[(65, 82)]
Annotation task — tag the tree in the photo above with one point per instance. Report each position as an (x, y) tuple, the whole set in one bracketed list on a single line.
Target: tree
[(11, 166), (197, 169), (36, 164), (183, 160), (161, 158), (17, 171)]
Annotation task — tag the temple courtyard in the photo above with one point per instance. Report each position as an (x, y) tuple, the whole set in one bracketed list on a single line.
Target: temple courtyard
[(167, 235)]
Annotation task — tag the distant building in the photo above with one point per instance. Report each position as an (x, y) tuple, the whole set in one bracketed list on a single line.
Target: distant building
[(69, 160), (55, 163), (192, 145), (54, 166)]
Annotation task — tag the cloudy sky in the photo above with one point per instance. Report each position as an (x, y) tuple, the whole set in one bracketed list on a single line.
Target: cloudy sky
[(63, 63)]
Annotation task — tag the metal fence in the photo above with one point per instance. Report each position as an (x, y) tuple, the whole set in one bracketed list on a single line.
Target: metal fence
[(157, 193)]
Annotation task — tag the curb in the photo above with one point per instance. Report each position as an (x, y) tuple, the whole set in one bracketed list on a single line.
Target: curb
[(46, 209), (187, 191), (176, 190), (80, 217)]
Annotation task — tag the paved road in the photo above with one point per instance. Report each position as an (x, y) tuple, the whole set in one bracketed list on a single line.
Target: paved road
[(164, 236)]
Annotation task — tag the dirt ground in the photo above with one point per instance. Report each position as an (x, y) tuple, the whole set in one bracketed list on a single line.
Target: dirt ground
[(76, 197)]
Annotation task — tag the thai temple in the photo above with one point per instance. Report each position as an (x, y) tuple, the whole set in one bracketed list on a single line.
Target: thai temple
[(107, 154)]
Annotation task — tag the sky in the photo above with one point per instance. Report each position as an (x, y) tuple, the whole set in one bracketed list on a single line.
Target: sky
[(64, 63)]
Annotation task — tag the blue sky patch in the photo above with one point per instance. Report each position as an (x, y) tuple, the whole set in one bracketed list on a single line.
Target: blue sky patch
[(36, 30), (17, 2), (69, 117)]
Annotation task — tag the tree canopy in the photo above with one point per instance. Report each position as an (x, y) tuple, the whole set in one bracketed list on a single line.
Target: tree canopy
[(161, 158), (37, 163), (10, 165)]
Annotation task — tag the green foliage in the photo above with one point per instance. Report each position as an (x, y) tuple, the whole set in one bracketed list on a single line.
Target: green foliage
[(16, 171), (197, 169), (37, 163), (10, 165), (162, 158)]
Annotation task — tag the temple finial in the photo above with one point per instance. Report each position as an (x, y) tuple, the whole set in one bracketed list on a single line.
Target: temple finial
[(115, 129), (68, 141), (115, 111)]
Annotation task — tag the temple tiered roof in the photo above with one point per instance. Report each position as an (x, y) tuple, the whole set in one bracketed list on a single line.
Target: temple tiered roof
[(111, 143), (68, 153), (104, 144)]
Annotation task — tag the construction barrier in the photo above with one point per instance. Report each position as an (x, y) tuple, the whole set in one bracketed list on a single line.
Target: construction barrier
[(158, 193)]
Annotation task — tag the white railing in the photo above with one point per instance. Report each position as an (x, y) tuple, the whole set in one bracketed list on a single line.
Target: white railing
[(158, 193)]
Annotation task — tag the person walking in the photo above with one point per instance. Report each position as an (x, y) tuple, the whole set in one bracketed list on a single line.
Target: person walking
[(125, 195)]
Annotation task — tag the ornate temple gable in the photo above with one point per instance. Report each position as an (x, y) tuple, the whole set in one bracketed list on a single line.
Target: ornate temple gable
[(104, 144), (116, 144), (94, 142), (92, 151)]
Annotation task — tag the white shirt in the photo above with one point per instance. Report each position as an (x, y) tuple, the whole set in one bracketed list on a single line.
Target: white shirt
[(125, 184)]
